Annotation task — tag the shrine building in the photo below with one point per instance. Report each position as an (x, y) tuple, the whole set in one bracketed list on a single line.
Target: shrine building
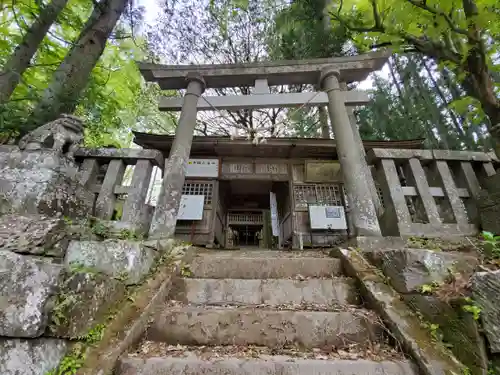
[(237, 179)]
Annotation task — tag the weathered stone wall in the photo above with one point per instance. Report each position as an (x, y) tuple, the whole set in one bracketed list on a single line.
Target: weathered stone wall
[(454, 291), (61, 279)]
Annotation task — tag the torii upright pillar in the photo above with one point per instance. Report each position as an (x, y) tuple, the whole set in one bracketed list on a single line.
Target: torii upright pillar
[(351, 157), (165, 214)]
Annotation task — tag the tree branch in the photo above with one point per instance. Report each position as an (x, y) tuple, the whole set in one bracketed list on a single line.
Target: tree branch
[(423, 5), (422, 44), (376, 15)]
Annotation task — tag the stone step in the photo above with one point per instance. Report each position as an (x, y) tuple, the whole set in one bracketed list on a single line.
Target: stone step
[(337, 291), (276, 365), (275, 265), (271, 328)]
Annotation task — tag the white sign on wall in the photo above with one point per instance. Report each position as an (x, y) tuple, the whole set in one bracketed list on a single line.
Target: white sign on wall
[(191, 207), (327, 217), (202, 168)]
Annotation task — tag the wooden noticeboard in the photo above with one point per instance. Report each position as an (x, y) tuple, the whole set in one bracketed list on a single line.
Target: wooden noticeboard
[(323, 171)]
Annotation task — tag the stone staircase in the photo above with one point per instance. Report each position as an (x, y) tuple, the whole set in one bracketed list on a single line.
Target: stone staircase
[(265, 312)]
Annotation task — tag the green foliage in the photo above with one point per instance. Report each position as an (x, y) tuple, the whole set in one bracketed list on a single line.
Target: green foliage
[(492, 369), (423, 243), (303, 31), (58, 315), (460, 36), (491, 245), (186, 271), (434, 329), (473, 309), (71, 363), (75, 359), (116, 99), (68, 220), (76, 267), (127, 234), (122, 276), (100, 229), (94, 335), (429, 288)]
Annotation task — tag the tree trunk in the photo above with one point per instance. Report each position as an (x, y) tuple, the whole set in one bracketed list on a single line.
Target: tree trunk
[(431, 108), (482, 85), (442, 96), (393, 66), (72, 75), (412, 102), (482, 88), (19, 61)]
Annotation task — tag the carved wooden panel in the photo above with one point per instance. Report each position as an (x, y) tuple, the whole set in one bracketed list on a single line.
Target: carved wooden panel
[(271, 168), (327, 194), (323, 171), (237, 168), (298, 172), (245, 218), (199, 188), (254, 170)]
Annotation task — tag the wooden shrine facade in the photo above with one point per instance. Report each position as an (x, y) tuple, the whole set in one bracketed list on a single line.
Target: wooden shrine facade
[(299, 171)]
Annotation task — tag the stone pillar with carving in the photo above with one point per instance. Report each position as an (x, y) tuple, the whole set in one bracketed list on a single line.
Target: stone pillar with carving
[(39, 191), (40, 177), (165, 215), (351, 157)]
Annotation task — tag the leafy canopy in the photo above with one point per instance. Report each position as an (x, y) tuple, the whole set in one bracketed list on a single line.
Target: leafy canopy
[(116, 99)]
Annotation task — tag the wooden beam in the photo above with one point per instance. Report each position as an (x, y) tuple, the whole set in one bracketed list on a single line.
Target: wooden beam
[(238, 102)]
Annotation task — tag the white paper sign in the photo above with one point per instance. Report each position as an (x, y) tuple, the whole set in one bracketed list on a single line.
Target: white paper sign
[(191, 207), (327, 217), (202, 168), (274, 214)]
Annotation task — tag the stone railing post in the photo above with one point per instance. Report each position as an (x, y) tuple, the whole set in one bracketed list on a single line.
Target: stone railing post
[(106, 199), (165, 214), (136, 213), (351, 157), (134, 208), (437, 194)]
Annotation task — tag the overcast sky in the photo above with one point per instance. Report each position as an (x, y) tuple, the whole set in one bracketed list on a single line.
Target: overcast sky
[(153, 9)]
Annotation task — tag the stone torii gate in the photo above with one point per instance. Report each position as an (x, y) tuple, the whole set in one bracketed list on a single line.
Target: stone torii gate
[(332, 75)]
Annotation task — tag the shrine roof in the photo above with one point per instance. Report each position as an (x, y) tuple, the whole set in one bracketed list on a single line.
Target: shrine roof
[(220, 146)]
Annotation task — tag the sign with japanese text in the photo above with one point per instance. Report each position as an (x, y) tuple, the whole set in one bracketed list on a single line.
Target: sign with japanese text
[(202, 168)]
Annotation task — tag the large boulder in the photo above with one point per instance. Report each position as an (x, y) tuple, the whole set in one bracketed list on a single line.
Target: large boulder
[(84, 301), (41, 182), (486, 292), (458, 328), (34, 234), (409, 269), (129, 261), (30, 357), (26, 287)]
